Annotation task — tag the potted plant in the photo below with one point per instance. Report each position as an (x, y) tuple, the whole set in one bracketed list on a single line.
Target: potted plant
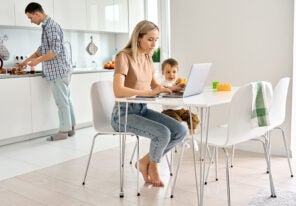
[(156, 55)]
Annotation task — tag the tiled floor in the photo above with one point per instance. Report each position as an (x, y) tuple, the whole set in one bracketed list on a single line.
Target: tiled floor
[(51, 173)]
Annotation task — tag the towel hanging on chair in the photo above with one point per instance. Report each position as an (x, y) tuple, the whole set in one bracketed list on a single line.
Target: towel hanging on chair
[(262, 95)]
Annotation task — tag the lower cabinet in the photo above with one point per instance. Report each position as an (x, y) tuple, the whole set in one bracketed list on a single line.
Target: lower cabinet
[(27, 105), (15, 104), (80, 94), (44, 111)]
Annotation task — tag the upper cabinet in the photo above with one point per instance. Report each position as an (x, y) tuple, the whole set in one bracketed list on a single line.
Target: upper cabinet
[(7, 12), (20, 16), (70, 14), (85, 15), (99, 15), (120, 18), (107, 15)]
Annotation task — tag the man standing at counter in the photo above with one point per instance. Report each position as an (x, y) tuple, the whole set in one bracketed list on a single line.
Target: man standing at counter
[(55, 66)]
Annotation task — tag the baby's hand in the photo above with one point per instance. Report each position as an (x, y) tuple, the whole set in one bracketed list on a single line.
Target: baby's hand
[(181, 81)]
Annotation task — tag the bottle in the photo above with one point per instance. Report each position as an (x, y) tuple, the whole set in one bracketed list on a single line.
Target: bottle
[(114, 54)]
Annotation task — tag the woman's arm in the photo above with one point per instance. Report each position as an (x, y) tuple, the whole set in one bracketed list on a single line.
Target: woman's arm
[(121, 91)]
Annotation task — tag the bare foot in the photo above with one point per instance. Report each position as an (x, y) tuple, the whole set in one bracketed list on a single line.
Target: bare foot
[(154, 175), (144, 170)]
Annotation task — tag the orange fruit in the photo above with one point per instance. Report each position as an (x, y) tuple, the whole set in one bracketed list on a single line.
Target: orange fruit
[(224, 87)]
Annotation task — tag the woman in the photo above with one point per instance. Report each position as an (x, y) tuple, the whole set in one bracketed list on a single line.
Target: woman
[(134, 75)]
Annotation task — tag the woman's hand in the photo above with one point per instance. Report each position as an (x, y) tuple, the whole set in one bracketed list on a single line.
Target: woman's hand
[(160, 89)]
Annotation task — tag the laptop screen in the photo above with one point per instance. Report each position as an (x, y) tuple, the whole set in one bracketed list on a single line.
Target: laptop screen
[(197, 79)]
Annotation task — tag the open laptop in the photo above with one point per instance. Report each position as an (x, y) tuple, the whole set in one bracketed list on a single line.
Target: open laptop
[(196, 81)]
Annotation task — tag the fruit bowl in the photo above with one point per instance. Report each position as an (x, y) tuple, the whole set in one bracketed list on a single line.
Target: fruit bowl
[(109, 65)]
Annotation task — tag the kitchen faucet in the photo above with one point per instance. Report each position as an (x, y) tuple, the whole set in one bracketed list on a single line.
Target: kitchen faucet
[(69, 53)]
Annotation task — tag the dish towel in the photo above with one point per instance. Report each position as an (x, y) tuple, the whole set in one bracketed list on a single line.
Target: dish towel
[(262, 95)]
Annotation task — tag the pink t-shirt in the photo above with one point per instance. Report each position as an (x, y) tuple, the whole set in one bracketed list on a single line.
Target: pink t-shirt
[(138, 73)]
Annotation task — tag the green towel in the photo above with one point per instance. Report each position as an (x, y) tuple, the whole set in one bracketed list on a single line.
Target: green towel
[(262, 94)]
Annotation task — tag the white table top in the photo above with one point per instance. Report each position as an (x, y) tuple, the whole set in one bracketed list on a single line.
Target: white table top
[(207, 98)]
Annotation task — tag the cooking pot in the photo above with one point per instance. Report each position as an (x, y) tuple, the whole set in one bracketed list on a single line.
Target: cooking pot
[(1, 63)]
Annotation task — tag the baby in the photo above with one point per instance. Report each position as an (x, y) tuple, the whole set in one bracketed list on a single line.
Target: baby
[(170, 72)]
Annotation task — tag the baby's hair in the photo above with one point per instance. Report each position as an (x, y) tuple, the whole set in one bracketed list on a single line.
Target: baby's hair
[(172, 62)]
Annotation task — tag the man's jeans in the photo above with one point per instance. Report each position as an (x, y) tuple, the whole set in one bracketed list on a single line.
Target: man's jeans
[(61, 92)]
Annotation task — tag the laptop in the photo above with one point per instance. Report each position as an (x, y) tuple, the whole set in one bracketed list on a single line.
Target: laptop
[(196, 81)]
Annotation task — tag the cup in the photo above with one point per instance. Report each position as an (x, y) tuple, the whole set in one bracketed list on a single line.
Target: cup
[(214, 85)]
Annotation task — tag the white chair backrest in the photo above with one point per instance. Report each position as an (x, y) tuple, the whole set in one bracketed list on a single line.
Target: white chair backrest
[(240, 127), (102, 99), (278, 104)]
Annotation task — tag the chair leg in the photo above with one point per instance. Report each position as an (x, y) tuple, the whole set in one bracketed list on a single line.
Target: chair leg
[(177, 169), (170, 162), (138, 166), (232, 157), (227, 176), (287, 151), (121, 145), (267, 154), (216, 163), (89, 158), (265, 146), (211, 155), (134, 150)]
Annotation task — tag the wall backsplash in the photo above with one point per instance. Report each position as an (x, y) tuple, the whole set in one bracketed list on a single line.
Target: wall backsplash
[(23, 42)]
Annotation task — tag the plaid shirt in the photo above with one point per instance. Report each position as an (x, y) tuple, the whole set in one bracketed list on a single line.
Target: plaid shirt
[(52, 41)]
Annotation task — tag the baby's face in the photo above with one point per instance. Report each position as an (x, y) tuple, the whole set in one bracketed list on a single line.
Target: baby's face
[(170, 73)]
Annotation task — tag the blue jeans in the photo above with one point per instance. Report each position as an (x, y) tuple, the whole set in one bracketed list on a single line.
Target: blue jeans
[(164, 131), (60, 88)]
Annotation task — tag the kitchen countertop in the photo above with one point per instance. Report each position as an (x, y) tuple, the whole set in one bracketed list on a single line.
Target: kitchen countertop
[(75, 71)]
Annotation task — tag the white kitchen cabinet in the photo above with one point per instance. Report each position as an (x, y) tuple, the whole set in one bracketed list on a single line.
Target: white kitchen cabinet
[(136, 10), (20, 17), (44, 110), (120, 19), (15, 104), (70, 14), (7, 12), (107, 15), (28, 107), (80, 93), (100, 15)]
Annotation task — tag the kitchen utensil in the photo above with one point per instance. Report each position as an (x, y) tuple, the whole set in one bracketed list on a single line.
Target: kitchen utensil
[(4, 53), (91, 47), (1, 63)]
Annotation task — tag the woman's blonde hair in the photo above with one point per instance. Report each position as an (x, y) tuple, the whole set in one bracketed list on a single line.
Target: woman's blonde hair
[(142, 28)]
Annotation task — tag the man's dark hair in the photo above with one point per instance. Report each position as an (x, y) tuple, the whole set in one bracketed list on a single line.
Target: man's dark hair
[(33, 7), (172, 62)]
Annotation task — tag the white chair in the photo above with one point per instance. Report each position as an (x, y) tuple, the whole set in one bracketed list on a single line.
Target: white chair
[(102, 99), (277, 114), (239, 130)]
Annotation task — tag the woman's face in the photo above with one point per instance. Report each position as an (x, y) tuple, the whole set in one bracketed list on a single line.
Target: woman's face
[(148, 42)]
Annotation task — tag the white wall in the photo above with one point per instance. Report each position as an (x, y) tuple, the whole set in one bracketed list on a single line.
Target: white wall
[(246, 40), (25, 41)]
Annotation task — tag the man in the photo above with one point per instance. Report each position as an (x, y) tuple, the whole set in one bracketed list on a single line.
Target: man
[(55, 66)]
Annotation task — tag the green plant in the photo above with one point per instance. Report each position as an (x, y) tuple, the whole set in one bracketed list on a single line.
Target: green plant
[(156, 55)]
